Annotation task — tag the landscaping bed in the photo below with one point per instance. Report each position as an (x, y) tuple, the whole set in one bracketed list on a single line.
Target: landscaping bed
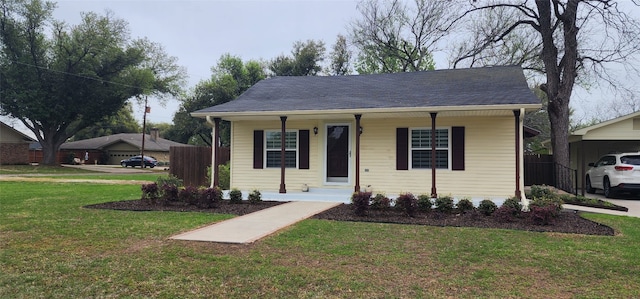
[(594, 203), (567, 222)]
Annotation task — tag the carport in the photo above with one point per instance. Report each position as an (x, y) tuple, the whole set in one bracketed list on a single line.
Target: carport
[(586, 145)]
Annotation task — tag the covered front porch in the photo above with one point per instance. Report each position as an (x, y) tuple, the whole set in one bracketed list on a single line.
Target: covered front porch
[(374, 149)]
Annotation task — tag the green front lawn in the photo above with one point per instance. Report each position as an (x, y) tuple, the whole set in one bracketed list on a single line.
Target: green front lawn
[(50, 246)]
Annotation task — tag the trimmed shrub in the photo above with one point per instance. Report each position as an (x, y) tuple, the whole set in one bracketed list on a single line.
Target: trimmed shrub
[(150, 192), (464, 205), (380, 202), (235, 196), (169, 192), (505, 214), (556, 203), (487, 207), (189, 194), (209, 198), (169, 180), (424, 203), (444, 204), (514, 204), (360, 201), (543, 215), (255, 196), (408, 203), (543, 191)]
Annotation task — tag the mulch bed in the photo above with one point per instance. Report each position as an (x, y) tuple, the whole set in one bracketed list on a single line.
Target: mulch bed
[(568, 222)]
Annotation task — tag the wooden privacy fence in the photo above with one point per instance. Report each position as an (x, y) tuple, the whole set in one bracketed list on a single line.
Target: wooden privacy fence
[(538, 170), (189, 163)]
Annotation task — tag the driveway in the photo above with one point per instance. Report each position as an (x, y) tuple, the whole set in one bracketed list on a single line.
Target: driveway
[(114, 168), (625, 200)]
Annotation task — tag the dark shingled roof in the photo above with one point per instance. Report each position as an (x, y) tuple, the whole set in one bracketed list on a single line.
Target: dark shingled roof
[(135, 139), (457, 87)]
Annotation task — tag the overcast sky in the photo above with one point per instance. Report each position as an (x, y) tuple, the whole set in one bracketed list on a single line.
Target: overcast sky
[(198, 32)]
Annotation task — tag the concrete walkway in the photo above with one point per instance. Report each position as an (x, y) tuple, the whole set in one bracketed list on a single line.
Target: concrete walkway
[(251, 227)]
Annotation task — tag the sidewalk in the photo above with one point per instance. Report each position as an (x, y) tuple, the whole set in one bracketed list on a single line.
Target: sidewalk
[(251, 227)]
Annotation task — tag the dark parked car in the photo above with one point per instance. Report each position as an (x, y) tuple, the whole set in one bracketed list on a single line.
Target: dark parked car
[(136, 161)]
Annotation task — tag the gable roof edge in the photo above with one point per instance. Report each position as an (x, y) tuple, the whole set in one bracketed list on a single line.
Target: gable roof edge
[(584, 131), (370, 110)]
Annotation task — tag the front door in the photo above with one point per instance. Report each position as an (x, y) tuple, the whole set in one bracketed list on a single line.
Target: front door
[(337, 154)]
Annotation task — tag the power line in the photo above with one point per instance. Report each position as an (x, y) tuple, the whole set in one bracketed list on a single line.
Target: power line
[(75, 75)]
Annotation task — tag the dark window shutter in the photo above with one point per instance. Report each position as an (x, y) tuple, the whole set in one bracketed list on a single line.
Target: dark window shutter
[(457, 148), (303, 148), (402, 148), (258, 147)]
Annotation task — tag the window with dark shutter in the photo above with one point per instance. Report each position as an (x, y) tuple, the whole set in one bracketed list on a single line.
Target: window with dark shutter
[(303, 155), (402, 148), (258, 146), (457, 148)]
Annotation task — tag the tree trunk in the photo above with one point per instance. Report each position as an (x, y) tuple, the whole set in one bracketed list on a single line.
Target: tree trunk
[(50, 146), (559, 119), (561, 74), (49, 153)]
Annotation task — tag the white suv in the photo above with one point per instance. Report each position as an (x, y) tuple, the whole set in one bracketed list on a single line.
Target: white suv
[(613, 173)]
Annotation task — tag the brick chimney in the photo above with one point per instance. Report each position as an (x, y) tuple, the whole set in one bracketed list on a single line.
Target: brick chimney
[(154, 134)]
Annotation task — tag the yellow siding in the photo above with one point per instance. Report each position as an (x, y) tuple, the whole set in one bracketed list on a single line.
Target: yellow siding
[(489, 158), (268, 179), (623, 130)]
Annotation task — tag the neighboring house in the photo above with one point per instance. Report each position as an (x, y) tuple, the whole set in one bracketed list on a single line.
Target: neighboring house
[(375, 132), (586, 145), (14, 146), (113, 148)]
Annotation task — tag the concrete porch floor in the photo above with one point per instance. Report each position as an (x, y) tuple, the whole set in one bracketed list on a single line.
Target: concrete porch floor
[(337, 195), (314, 194)]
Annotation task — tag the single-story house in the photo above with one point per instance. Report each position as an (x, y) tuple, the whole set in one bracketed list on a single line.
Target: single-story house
[(114, 148), (450, 132), (586, 145), (14, 146)]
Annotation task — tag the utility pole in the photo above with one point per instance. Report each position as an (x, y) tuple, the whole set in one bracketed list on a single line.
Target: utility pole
[(147, 109)]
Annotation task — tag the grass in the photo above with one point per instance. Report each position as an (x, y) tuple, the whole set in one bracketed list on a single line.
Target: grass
[(52, 247), (76, 173)]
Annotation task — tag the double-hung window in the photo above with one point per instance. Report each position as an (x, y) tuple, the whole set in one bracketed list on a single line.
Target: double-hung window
[(420, 149), (273, 148)]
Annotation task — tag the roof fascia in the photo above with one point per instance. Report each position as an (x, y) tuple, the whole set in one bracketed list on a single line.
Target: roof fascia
[(527, 107)]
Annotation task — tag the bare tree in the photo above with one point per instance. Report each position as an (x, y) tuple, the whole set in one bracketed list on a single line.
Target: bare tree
[(393, 36), (627, 103), (568, 42)]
